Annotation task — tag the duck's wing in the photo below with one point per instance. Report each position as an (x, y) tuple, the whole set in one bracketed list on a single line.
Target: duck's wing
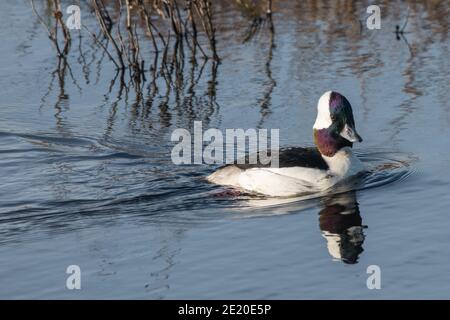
[(291, 157)]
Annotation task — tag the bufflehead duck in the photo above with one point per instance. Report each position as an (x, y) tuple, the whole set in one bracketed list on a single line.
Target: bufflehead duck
[(304, 170)]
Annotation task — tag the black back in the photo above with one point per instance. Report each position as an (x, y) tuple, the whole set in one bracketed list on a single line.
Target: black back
[(292, 157)]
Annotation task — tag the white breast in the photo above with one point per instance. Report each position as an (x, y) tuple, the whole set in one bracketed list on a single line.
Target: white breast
[(344, 163)]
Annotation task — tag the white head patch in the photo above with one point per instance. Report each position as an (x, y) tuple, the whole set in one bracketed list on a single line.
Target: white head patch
[(323, 119)]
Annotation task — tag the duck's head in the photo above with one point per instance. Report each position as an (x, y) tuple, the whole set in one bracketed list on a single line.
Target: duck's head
[(335, 126)]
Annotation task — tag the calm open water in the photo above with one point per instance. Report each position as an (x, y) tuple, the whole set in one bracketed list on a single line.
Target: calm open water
[(86, 176)]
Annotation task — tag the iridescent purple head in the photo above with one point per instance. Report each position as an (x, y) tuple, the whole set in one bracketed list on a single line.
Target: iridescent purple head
[(335, 126)]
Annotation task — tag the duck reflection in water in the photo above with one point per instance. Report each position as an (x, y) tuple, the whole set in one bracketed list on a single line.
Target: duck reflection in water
[(341, 225), (340, 221)]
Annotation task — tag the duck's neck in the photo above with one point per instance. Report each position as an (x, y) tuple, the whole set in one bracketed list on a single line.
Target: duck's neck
[(329, 142)]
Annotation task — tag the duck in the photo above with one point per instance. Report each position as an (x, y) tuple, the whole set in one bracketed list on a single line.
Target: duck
[(304, 170)]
